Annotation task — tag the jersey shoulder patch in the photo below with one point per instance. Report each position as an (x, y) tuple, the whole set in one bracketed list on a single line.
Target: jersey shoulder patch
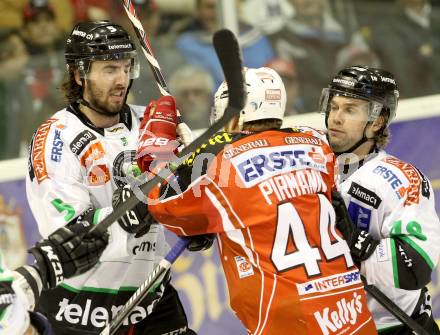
[(414, 180), (37, 164), (213, 145), (48, 146), (308, 131), (198, 162)]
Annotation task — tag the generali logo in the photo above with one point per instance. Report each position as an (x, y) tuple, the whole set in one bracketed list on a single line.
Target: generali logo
[(38, 150), (413, 190)]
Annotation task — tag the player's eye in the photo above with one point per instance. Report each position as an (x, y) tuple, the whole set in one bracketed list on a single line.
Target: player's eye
[(109, 70), (333, 108)]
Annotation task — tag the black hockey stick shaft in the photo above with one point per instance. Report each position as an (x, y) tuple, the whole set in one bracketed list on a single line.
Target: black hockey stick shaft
[(142, 291), (394, 309), (228, 52)]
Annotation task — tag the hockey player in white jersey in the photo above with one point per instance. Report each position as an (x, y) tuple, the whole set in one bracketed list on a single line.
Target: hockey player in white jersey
[(68, 252), (396, 236), (79, 159)]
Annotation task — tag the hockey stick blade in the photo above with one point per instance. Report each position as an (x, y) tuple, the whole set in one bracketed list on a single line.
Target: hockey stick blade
[(142, 290), (231, 60), (226, 47)]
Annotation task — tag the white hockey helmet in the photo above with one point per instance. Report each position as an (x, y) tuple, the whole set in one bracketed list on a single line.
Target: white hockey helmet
[(266, 97)]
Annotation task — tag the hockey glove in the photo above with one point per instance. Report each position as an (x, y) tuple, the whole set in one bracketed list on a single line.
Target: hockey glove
[(69, 251), (200, 242), (135, 221), (362, 244), (157, 134)]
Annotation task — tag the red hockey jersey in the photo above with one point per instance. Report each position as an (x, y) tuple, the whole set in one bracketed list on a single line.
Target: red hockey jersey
[(267, 196)]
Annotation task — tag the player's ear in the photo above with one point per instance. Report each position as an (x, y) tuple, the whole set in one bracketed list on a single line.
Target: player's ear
[(378, 124), (233, 126), (77, 77)]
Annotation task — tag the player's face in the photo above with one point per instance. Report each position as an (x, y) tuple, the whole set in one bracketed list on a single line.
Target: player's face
[(107, 84), (346, 122)]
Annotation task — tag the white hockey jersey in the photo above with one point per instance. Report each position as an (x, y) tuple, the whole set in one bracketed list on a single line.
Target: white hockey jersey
[(73, 166), (394, 202)]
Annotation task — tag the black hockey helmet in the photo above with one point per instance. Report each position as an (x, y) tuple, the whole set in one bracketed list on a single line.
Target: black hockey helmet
[(376, 86), (99, 40)]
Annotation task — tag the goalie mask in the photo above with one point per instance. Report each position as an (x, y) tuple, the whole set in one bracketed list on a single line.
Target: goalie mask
[(266, 97), (99, 41), (377, 87)]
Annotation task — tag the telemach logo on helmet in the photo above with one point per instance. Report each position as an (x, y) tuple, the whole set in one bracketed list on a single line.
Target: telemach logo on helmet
[(99, 41), (79, 33), (343, 81), (119, 46)]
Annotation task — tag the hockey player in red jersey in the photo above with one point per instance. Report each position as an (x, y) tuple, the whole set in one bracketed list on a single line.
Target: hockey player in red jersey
[(266, 193)]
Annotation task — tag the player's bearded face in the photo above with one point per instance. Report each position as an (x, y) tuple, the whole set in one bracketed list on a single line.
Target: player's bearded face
[(107, 85), (346, 122)]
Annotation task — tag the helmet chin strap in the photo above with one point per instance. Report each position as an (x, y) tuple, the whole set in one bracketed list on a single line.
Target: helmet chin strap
[(89, 105), (354, 147)]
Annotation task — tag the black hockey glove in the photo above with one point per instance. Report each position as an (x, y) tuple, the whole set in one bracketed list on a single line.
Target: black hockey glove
[(362, 244), (200, 242), (135, 221), (69, 251)]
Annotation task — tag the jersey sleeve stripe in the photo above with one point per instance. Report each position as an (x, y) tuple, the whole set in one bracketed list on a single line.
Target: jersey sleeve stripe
[(268, 306), (223, 200), (356, 288), (361, 326), (234, 234)]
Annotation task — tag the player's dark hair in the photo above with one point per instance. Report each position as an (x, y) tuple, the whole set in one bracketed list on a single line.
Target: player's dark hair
[(261, 125), (72, 91)]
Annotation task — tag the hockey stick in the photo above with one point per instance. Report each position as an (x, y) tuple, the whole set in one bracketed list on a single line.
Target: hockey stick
[(146, 46), (182, 128), (347, 230), (142, 291), (389, 305), (228, 52)]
